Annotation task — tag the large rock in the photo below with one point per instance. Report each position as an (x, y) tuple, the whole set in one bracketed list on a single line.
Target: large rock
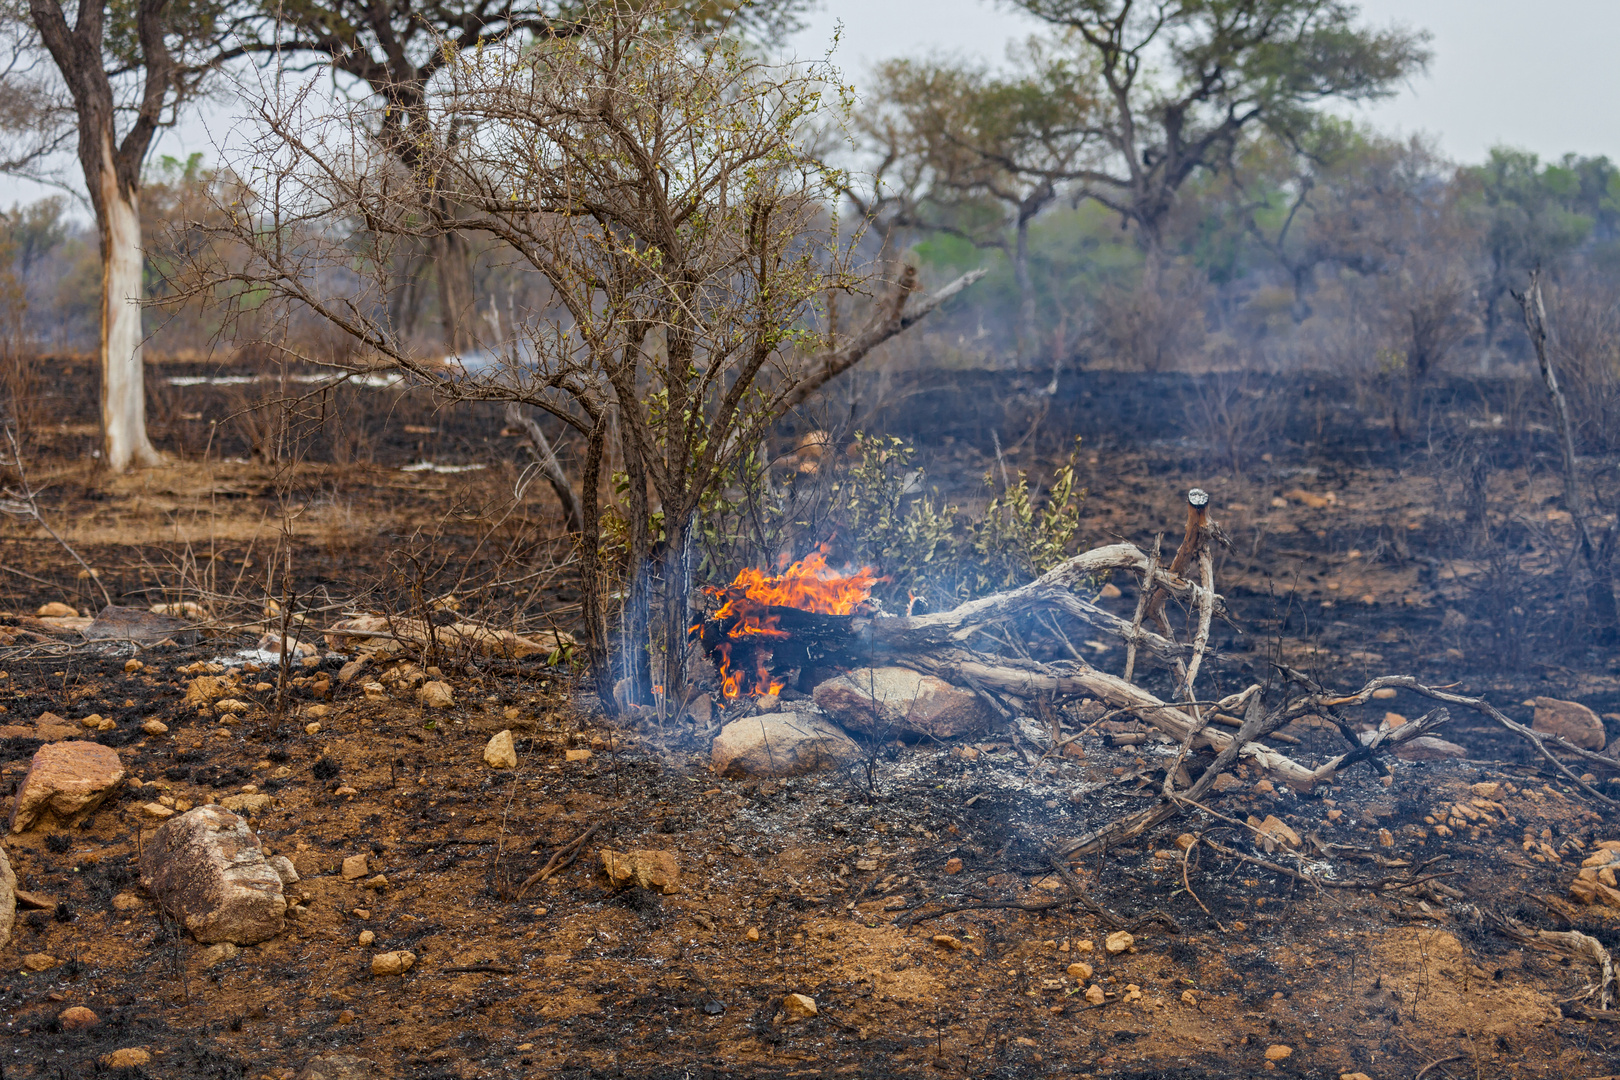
[(1429, 748), (8, 899), (1572, 720), (896, 701), (650, 869), (114, 623), (65, 783), (207, 868), (337, 1067), (780, 744)]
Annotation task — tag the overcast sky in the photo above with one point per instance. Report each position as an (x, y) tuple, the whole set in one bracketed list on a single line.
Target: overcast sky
[(1541, 76)]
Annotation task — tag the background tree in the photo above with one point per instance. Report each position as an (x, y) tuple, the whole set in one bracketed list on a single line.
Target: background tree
[(126, 68)]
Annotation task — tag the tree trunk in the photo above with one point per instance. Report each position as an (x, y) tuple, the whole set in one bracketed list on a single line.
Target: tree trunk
[(590, 570), (123, 377), (1028, 333), (453, 257), (676, 609)]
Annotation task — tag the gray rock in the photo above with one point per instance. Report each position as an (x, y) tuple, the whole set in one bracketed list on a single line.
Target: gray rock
[(143, 627), (337, 1067), (8, 899), (1429, 748), (780, 744), (207, 869), (1572, 720), (894, 701), (284, 869)]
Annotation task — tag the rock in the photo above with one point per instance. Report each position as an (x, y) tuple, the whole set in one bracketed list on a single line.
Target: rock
[(154, 727), (114, 623), (499, 753), (66, 782), (378, 882), (1118, 942), (127, 901), (1226, 782), (1278, 1052), (1094, 994), (655, 871), (78, 1018), (780, 744), (1276, 831), (1429, 748), (312, 728), (953, 865), (366, 937), (207, 868), (127, 1057), (204, 690), (8, 899), (1080, 971), (1354, 1076), (157, 810), (752, 934), (798, 1007), (1383, 693), (56, 610), (180, 609), (1393, 720), (1188, 997), (1109, 591), (38, 961), (355, 866), (392, 963), (579, 753), (284, 869), (895, 701), (375, 691), (337, 1067), (1572, 720), (351, 671), (948, 942), (229, 706), (1486, 789), (255, 803), (436, 695), (218, 954)]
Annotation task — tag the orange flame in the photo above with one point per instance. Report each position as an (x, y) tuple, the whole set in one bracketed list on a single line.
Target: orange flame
[(807, 585)]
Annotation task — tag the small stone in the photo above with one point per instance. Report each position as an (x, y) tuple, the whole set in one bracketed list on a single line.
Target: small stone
[(154, 727), (127, 1057), (780, 744), (1189, 998), (366, 937), (312, 728), (318, 712), (56, 610), (351, 671), (1275, 830), (392, 963), (654, 870), (355, 866), (1094, 994), (1110, 591), (333, 1067), (346, 790), (157, 810), (1118, 942), (1265, 787), (249, 804), (346, 1016), (1383, 693), (1278, 1052), (127, 901), (378, 882), (375, 691), (1080, 971), (93, 721), (753, 933), (436, 695), (798, 1007), (78, 1018), (1354, 1076), (1393, 720), (1486, 790), (499, 752), (361, 913), (1386, 838), (1226, 782), (231, 707), (219, 954), (953, 866), (38, 961), (948, 942), (577, 754), (284, 868), (1085, 946)]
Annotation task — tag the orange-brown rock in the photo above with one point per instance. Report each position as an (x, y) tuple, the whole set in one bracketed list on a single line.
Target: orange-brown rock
[(65, 783)]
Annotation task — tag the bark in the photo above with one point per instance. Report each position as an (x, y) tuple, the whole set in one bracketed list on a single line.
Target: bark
[(123, 379), (592, 605), (453, 268), (1028, 333)]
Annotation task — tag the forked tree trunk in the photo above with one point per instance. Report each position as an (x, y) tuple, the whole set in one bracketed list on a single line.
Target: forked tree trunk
[(123, 377), (453, 258)]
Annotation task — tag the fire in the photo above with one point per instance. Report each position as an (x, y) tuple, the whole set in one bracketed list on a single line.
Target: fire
[(808, 585)]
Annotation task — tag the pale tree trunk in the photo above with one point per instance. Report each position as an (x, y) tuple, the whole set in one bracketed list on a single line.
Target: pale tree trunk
[(123, 378), (453, 259), (1028, 333)]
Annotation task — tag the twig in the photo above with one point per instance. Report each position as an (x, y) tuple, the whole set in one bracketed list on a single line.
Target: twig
[(1143, 592), (1186, 857), (1436, 1063), (561, 859), (30, 508)]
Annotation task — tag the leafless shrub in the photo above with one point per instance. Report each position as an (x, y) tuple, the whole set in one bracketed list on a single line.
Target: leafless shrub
[(1236, 413), (1156, 325)]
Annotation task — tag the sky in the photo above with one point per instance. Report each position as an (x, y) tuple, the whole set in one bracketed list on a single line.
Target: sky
[(1541, 77)]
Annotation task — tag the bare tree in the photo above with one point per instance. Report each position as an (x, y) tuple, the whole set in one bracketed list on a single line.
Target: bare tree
[(657, 182)]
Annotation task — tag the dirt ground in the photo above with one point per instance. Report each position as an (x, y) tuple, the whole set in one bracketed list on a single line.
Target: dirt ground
[(836, 886)]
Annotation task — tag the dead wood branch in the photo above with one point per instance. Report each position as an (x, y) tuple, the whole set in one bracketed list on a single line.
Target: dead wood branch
[(546, 459)]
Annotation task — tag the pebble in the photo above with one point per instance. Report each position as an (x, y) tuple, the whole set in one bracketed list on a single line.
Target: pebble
[(361, 913), (1094, 994), (392, 963), (157, 810), (218, 954), (126, 901), (312, 728), (375, 691), (580, 754), (953, 866), (1386, 838), (1084, 946), (1189, 998), (378, 882), (128, 1057), (1118, 942), (1080, 972), (355, 867), (56, 610), (753, 933), (499, 752), (436, 695), (38, 961), (1278, 1052), (798, 1007), (367, 937), (1383, 693), (78, 1018), (947, 941), (153, 727)]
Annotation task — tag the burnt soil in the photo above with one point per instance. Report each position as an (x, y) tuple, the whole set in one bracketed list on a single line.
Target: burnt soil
[(828, 885)]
